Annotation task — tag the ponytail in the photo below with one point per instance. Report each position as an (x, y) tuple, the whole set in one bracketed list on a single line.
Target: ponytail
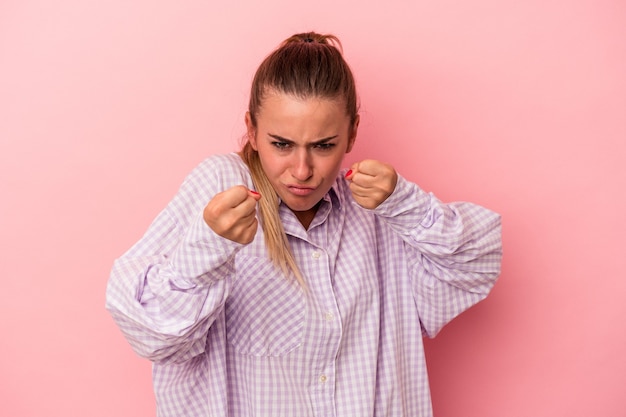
[(306, 65), (276, 241)]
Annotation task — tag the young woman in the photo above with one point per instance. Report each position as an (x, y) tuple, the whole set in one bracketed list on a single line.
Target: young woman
[(275, 285)]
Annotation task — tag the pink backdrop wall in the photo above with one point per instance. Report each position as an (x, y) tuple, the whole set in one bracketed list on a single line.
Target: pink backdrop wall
[(519, 106)]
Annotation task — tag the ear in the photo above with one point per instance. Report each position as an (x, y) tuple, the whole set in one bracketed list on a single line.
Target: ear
[(352, 138), (251, 131)]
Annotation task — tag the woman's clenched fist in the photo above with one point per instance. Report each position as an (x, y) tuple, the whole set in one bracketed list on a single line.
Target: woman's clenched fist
[(371, 182), (232, 214)]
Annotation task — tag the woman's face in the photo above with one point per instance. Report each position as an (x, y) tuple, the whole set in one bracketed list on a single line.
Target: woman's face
[(301, 145)]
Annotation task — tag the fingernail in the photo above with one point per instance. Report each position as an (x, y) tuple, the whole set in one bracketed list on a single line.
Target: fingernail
[(348, 173), (254, 192)]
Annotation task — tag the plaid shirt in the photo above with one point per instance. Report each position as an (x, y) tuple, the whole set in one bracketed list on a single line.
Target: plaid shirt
[(231, 336)]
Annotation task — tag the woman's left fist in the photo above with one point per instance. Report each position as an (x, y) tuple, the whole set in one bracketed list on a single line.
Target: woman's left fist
[(371, 182)]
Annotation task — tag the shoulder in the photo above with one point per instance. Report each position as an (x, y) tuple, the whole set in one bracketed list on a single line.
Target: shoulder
[(225, 167), (213, 175), (218, 173)]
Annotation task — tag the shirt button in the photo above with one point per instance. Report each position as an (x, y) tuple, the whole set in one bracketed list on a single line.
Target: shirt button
[(323, 379), (328, 316), (316, 255)]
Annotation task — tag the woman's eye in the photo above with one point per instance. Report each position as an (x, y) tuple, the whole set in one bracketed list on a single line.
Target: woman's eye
[(280, 145), (325, 146)]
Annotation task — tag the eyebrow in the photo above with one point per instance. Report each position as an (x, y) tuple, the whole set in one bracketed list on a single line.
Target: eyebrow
[(317, 142)]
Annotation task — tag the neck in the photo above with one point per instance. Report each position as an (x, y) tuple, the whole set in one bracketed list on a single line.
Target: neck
[(306, 217)]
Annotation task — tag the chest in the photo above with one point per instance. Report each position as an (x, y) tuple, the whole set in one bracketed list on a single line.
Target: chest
[(268, 314)]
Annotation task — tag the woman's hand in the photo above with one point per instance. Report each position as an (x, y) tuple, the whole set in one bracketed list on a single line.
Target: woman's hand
[(371, 182), (232, 214)]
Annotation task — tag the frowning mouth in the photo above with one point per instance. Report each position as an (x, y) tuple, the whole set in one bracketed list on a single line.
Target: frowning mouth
[(300, 190)]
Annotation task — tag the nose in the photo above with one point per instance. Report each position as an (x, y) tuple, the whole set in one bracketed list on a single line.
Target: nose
[(302, 167)]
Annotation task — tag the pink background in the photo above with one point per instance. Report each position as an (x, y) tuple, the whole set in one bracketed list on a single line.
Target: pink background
[(519, 106)]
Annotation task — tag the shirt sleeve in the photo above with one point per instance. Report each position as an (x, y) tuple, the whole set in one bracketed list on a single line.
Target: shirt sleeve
[(167, 290), (454, 251)]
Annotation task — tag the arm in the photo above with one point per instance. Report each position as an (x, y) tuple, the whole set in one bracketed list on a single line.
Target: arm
[(454, 251), (167, 290)]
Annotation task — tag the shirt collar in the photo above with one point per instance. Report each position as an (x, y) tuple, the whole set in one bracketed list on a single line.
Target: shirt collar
[(333, 196)]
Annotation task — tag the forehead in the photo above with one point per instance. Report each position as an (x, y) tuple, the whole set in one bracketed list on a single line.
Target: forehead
[(287, 107)]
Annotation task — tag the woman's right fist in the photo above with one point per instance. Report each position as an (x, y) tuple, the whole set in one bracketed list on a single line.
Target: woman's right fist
[(232, 214)]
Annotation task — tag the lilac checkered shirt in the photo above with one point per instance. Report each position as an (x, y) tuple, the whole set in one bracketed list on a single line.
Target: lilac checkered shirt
[(230, 336)]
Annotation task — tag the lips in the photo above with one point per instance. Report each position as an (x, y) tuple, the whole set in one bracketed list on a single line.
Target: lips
[(300, 190)]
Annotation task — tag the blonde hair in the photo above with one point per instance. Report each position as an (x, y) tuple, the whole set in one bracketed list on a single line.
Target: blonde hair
[(306, 65)]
